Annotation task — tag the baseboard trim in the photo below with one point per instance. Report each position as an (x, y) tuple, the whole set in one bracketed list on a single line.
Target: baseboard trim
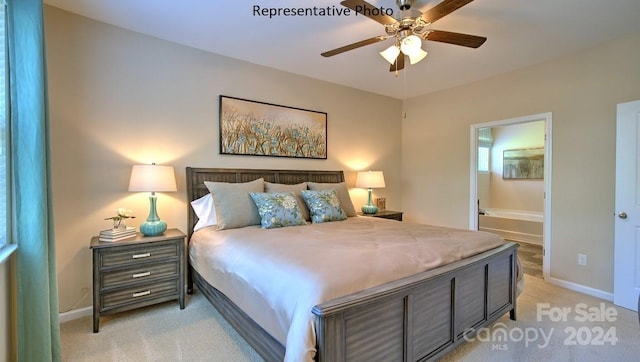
[(581, 289), (75, 314)]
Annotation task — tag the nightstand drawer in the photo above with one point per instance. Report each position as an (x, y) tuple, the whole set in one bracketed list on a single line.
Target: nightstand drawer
[(148, 272), (139, 294), (137, 255)]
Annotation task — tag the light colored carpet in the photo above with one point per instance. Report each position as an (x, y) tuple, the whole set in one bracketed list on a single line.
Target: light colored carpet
[(158, 333), (585, 336), (199, 333)]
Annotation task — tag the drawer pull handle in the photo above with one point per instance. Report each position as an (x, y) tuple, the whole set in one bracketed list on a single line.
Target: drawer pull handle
[(138, 256), (141, 294), (140, 275)]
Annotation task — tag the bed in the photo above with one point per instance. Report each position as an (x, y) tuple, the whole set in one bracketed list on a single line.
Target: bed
[(421, 316)]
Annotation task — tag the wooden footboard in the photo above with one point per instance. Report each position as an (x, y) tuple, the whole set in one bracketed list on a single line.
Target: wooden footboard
[(421, 317), (418, 318)]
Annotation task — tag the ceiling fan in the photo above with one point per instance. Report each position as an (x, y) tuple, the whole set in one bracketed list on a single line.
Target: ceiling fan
[(408, 30)]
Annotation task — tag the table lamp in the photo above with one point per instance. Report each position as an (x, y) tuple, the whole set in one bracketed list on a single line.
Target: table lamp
[(370, 180), (152, 178)]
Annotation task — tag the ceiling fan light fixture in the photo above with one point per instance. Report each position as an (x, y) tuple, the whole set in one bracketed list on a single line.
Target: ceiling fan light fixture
[(390, 54), (412, 47), (417, 56), (408, 29), (411, 44)]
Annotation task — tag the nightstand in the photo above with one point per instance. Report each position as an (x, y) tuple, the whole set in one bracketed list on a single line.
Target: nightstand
[(137, 272), (386, 214)]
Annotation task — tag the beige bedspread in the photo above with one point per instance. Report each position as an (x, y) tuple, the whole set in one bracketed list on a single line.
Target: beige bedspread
[(277, 276)]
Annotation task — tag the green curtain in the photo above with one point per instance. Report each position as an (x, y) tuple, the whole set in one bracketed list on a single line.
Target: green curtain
[(32, 226)]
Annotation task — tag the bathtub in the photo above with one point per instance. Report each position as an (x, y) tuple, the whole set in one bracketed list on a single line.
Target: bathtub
[(518, 225)]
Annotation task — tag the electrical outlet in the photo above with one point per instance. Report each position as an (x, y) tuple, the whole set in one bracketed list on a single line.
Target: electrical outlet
[(582, 259)]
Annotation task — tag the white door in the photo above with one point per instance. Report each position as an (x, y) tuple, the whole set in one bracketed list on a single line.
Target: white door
[(626, 285)]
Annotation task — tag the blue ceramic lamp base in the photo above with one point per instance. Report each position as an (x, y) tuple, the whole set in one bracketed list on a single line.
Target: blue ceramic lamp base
[(369, 207), (153, 226)]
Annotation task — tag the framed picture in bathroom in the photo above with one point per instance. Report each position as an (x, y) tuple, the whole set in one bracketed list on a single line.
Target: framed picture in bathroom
[(523, 164)]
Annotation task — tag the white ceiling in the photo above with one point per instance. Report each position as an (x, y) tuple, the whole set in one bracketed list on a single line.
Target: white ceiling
[(520, 33)]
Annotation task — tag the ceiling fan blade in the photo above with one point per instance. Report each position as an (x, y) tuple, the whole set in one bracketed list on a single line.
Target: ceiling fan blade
[(359, 44), (465, 40), (444, 8), (364, 8), (399, 64)]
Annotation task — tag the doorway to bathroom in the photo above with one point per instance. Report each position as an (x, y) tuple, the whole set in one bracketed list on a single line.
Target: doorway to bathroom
[(511, 185)]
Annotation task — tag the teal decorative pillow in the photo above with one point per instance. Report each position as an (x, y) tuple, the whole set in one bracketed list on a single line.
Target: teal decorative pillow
[(341, 191), (296, 189), (277, 209), (323, 206)]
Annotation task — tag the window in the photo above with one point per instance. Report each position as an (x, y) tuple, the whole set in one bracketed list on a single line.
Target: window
[(485, 141), (483, 159)]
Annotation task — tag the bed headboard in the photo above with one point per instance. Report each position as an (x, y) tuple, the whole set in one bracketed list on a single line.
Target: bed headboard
[(197, 176)]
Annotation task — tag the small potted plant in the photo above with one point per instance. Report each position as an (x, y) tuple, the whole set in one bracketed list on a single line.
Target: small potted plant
[(118, 219)]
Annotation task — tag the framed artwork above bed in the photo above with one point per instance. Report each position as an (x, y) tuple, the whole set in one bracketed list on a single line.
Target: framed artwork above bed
[(263, 129)]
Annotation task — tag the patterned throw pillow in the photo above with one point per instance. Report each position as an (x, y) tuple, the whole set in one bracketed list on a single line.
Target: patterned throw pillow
[(323, 206), (296, 189), (341, 191), (277, 209)]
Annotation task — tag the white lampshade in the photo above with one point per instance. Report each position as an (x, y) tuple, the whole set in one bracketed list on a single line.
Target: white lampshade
[(410, 44), (417, 56), (370, 179), (412, 47), (390, 54), (152, 178)]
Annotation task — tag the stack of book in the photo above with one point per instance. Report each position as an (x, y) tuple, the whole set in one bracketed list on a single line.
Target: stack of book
[(112, 235)]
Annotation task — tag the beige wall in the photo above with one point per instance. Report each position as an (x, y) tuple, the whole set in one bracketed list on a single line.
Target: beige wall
[(119, 98), (581, 91), (495, 192), (525, 195)]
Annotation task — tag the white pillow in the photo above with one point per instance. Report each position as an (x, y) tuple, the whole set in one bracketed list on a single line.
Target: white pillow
[(206, 212)]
